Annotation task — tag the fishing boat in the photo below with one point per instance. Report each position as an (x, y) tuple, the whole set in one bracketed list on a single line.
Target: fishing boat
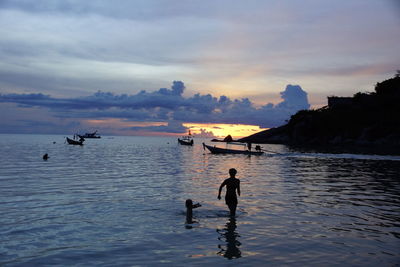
[(90, 135), (219, 150), (186, 140), (74, 142)]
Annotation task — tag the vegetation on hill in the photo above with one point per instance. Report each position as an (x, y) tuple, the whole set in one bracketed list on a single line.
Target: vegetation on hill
[(365, 119)]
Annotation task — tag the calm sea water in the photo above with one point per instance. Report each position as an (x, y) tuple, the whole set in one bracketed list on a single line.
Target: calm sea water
[(119, 201)]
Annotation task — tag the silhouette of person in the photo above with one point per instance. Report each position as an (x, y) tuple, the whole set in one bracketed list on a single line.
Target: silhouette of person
[(249, 146), (45, 156), (232, 244), (232, 185), (189, 210)]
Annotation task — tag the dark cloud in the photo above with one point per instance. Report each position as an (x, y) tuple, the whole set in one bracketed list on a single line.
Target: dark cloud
[(40, 127), (293, 98), (168, 105), (172, 127)]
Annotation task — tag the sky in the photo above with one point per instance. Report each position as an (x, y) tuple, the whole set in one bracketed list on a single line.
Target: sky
[(162, 67)]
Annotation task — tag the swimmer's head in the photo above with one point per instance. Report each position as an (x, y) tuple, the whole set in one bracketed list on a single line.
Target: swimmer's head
[(232, 172), (189, 203)]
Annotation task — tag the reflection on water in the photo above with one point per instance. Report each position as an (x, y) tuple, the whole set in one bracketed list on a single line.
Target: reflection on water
[(120, 202), (229, 235)]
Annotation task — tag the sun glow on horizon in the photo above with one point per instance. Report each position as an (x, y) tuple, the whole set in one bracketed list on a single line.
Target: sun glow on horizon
[(221, 130), (207, 130)]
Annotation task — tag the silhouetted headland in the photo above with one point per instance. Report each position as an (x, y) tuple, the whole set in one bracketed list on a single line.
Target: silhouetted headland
[(368, 120), (228, 138)]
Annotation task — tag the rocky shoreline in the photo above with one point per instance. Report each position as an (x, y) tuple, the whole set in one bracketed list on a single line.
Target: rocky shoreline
[(364, 120)]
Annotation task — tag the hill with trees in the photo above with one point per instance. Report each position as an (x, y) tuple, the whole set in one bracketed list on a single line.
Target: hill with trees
[(366, 119)]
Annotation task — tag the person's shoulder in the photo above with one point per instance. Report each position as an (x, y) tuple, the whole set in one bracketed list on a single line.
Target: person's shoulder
[(232, 180), (227, 180)]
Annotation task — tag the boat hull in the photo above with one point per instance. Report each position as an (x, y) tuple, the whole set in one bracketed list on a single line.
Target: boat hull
[(74, 142), (185, 142), (218, 150)]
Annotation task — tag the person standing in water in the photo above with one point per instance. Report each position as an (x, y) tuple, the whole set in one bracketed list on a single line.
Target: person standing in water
[(232, 185)]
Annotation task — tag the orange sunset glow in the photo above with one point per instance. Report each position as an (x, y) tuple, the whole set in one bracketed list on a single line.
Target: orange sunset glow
[(201, 129), (222, 130)]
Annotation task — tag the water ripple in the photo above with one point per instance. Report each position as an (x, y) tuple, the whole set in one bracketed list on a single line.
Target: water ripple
[(121, 201)]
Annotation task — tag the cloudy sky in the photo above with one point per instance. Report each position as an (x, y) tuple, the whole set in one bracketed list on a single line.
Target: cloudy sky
[(163, 66)]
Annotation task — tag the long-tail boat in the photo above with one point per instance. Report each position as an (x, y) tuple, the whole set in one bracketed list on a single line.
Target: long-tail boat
[(75, 142), (219, 150), (186, 140)]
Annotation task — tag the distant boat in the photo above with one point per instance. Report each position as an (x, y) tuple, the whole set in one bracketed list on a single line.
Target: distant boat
[(186, 140), (90, 135), (74, 142), (219, 150)]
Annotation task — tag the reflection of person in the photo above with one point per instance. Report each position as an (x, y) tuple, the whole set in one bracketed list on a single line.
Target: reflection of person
[(232, 185), (232, 244), (189, 210)]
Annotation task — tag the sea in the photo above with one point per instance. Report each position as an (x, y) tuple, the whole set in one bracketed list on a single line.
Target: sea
[(120, 201)]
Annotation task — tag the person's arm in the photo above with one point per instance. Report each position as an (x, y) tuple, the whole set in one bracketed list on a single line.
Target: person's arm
[(238, 188), (196, 205), (220, 189)]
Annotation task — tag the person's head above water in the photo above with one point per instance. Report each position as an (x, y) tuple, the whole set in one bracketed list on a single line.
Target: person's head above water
[(232, 172), (189, 203)]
